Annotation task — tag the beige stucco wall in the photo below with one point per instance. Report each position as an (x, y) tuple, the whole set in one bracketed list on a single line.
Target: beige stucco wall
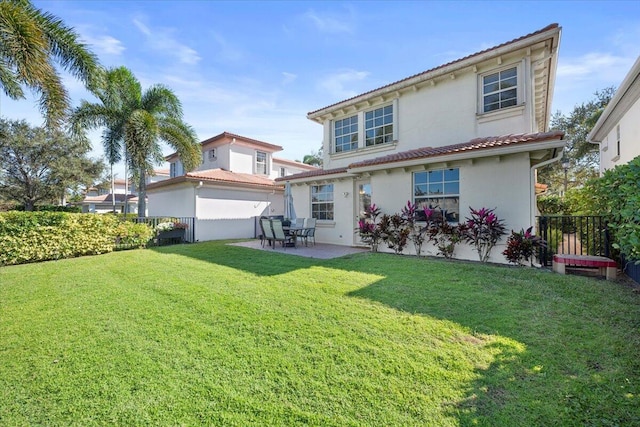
[(629, 140), (176, 200), (444, 114), (502, 183), (219, 203)]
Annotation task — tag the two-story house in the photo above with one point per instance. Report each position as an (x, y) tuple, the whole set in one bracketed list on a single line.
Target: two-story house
[(617, 131), (469, 133), (236, 181)]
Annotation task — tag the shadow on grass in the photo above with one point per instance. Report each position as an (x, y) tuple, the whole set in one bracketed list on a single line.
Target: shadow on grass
[(260, 263), (565, 331)]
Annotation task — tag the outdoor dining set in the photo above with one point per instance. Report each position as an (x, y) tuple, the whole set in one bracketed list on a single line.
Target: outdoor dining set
[(287, 232)]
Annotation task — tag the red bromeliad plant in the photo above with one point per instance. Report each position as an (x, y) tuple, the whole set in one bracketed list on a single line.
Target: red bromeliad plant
[(521, 246), (484, 230)]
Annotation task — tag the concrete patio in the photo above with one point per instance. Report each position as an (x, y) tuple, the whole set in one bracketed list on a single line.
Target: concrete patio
[(319, 250)]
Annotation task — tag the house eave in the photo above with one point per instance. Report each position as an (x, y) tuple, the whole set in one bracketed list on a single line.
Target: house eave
[(394, 89), (626, 95), (196, 181), (466, 155)]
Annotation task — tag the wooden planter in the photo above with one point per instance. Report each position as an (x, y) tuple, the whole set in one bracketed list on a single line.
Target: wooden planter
[(171, 236)]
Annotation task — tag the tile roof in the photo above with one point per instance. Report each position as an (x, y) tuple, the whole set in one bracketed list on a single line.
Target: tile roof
[(106, 198), (547, 28), (222, 175), (473, 145), (294, 163), (309, 174), (244, 138)]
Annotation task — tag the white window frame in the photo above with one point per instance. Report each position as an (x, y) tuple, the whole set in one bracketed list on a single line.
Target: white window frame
[(212, 154), (375, 125), (262, 168), (361, 129), (518, 88), (325, 206), (172, 170), (346, 131), (618, 140), (283, 171), (446, 194)]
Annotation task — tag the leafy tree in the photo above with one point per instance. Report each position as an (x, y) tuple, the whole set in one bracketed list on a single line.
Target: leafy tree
[(583, 156), (135, 122), (32, 43), (39, 165), (315, 158)]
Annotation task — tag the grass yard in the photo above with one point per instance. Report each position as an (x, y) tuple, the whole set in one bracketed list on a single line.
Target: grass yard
[(221, 335)]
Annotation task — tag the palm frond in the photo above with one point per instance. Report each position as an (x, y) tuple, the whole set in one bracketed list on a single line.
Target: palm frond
[(182, 137)]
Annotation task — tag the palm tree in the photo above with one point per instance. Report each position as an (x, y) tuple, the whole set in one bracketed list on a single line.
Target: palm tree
[(135, 122), (31, 43)]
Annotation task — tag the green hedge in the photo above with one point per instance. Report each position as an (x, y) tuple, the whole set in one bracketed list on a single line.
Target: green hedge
[(41, 236)]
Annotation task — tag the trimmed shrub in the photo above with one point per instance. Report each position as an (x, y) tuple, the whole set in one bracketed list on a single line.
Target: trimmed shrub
[(40, 236)]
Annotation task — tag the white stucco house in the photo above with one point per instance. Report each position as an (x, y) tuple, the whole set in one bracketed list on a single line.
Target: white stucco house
[(617, 131), (234, 184), (471, 132)]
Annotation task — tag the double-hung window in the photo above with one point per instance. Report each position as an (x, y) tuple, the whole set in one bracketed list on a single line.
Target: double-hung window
[(322, 201), (378, 126), (261, 162), (345, 133), (500, 90), (438, 190)]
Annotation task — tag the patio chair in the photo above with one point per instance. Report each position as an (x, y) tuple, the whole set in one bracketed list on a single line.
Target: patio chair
[(297, 222), (267, 232), (279, 235), (309, 231)]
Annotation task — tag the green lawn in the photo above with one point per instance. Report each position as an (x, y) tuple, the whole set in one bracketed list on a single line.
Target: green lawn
[(221, 335)]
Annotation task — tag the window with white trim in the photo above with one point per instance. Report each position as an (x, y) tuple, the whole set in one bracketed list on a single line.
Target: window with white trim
[(322, 201), (378, 126), (618, 140), (212, 154), (345, 134), (172, 170), (261, 162), (438, 190), (500, 90), (283, 172)]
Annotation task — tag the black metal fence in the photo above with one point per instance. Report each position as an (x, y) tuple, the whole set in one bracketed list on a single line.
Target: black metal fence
[(582, 235), (153, 221)]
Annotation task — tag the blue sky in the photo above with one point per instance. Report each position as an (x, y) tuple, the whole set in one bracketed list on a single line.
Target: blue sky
[(257, 68)]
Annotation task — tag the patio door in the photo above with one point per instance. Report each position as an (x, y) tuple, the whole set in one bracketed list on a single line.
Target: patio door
[(363, 192)]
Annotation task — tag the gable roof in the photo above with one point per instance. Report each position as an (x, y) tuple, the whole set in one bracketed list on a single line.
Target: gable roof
[(476, 145), (294, 163), (543, 80), (231, 136), (220, 176), (626, 95)]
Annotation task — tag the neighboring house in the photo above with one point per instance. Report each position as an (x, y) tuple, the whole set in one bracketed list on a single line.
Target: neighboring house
[(99, 199), (235, 182), (618, 128), (471, 132)]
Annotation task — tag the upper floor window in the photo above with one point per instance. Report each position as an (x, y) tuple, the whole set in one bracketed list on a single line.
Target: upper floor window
[(438, 190), (345, 133), (500, 90), (172, 170), (261, 162), (617, 140), (283, 172), (378, 126), (212, 154), (322, 201)]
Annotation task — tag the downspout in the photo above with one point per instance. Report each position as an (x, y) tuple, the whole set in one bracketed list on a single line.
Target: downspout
[(532, 181)]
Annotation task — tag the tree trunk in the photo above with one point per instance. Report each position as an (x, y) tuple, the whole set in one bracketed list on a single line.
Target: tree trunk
[(142, 194), (29, 205)]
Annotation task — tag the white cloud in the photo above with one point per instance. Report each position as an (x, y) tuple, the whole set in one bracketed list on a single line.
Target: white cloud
[(328, 24), (603, 66), (288, 78), (161, 40), (105, 45), (340, 85)]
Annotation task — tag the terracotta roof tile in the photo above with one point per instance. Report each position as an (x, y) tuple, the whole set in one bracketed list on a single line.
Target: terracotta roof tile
[(294, 163), (547, 28), (318, 172), (473, 145), (106, 198), (228, 176)]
